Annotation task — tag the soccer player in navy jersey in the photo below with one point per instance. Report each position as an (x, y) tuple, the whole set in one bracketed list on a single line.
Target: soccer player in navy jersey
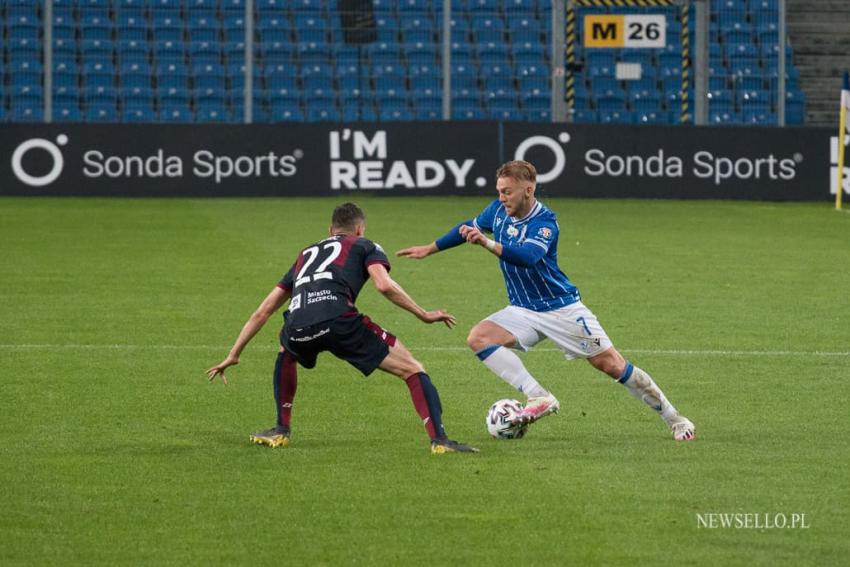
[(543, 302), (322, 286)]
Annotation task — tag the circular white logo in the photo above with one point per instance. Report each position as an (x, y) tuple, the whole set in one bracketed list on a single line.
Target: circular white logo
[(50, 148), (554, 146)]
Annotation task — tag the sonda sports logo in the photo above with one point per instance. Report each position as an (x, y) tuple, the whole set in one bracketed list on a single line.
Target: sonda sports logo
[(97, 164), (55, 154)]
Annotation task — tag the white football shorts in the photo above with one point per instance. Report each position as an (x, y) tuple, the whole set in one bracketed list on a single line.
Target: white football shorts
[(574, 329)]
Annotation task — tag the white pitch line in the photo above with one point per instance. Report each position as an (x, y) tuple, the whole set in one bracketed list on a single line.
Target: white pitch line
[(671, 352)]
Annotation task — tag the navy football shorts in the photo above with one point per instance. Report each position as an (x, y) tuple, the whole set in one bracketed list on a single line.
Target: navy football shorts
[(355, 339)]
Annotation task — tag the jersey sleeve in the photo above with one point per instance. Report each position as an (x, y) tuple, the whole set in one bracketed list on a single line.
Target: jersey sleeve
[(542, 233), (484, 220), (375, 255), (285, 282)]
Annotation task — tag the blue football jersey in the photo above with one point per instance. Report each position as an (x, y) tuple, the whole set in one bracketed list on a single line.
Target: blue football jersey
[(542, 287)]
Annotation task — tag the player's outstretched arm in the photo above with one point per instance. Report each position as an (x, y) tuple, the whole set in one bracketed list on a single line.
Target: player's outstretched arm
[(270, 304), (387, 287), (418, 252), (449, 240)]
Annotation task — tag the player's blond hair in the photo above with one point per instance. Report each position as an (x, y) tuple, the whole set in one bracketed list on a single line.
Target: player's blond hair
[(519, 170)]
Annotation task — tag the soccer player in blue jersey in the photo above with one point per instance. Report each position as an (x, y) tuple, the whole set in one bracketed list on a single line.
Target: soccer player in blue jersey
[(321, 287), (543, 302)]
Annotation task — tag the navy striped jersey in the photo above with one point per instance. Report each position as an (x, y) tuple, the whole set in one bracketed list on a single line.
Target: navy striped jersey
[(327, 277), (542, 287)]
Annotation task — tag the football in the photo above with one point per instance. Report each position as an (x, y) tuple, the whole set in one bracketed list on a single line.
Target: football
[(500, 417)]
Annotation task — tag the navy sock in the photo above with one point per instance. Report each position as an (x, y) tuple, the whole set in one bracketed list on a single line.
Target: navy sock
[(426, 399)]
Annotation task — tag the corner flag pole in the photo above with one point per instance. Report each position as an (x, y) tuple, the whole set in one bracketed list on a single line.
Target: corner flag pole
[(842, 132)]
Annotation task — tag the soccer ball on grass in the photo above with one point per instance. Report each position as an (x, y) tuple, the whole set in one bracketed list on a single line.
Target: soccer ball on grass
[(500, 417)]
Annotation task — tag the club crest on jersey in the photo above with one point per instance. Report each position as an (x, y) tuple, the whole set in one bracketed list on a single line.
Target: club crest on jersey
[(545, 232), (512, 231)]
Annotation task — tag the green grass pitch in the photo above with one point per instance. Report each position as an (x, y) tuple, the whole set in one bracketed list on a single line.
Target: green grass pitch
[(114, 449)]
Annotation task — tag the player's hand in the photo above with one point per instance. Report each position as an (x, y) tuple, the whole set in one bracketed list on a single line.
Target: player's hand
[(418, 252), (218, 369), (473, 235), (439, 315)]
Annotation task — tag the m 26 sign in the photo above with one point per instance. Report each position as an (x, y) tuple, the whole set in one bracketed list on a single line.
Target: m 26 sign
[(632, 31)]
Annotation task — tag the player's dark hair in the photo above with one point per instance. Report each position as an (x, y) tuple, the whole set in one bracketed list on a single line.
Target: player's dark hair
[(519, 170), (347, 216)]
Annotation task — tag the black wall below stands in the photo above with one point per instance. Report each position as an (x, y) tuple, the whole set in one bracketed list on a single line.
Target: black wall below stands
[(418, 158)]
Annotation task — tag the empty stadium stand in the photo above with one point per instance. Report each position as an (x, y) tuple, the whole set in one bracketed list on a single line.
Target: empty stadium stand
[(183, 61)]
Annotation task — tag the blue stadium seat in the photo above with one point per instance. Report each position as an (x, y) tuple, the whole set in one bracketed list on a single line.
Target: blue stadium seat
[(67, 113), (98, 72), (65, 73), (169, 50), (527, 52), (531, 71), (323, 114), (172, 74), (101, 95), (131, 5), (95, 26), (203, 28), (133, 50), (310, 28), (233, 6), (492, 52), (22, 27), (66, 95), (273, 27), (209, 75), (501, 99), (206, 113), (173, 97), (101, 113), (176, 113), (654, 117), (488, 28), (616, 117), (139, 115), (355, 113), (288, 97), (64, 26), (137, 97), (201, 8), (536, 99), (312, 52), (33, 113), (94, 49), (205, 52), (25, 95), (286, 115), (420, 53), (582, 116), (395, 115), (468, 114), (131, 27), (644, 101), (167, 26), (413, 6), (24, 49)]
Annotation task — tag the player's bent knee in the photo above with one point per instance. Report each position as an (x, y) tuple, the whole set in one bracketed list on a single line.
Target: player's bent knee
[(611, 363), (477, 340)]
